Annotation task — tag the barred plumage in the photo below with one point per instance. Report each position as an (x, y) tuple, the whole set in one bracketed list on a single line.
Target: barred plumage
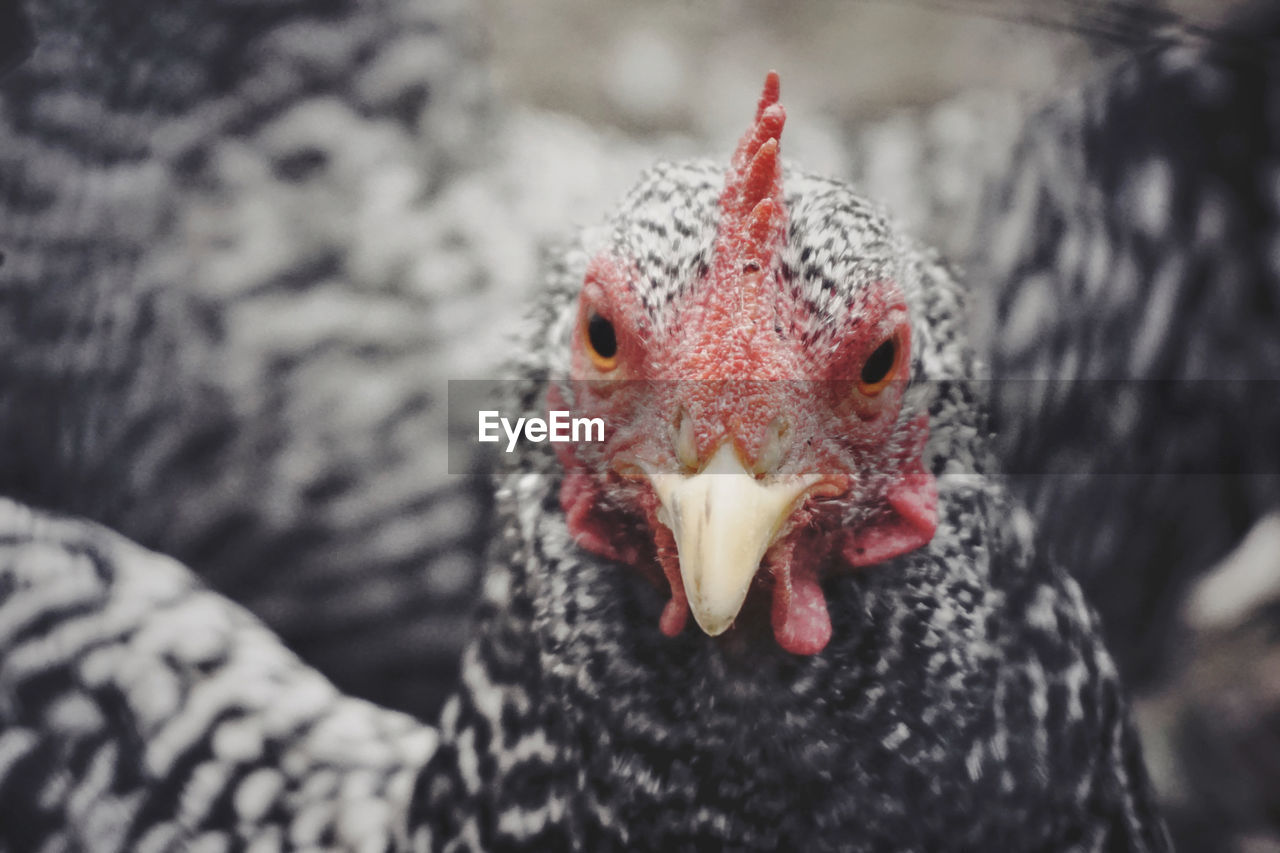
[(141, 711), (1135, 305), (211, 341), (1131, 254)]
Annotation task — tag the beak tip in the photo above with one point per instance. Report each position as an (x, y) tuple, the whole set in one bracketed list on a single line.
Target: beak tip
[(715, 620), (712, 627)]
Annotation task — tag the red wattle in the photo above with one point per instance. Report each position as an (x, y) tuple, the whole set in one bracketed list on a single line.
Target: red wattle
[(911, 518), (676, 612), (578, 499), (801, 622), (915, 498)]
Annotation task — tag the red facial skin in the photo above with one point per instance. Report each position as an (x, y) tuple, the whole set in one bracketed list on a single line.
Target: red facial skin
[(731, 362)]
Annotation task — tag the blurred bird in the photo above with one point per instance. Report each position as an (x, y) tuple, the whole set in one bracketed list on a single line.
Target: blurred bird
[(218, 333), (1134, 303), (1136, 311)]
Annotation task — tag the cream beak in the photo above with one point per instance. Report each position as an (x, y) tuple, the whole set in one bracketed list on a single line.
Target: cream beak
[(724, 520)]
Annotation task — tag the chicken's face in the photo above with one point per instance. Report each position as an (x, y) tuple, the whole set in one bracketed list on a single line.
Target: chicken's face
[(756, 431)]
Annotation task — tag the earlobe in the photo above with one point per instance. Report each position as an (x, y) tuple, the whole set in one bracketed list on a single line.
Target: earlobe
[(579, 498), (910, 516), (909, 522), (915, 499)]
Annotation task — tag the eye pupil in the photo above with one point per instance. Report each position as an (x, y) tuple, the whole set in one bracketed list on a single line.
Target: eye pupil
[(601, 336), (879, 363)]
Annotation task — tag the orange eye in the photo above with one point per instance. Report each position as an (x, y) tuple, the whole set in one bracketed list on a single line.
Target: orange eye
[(602, 343), (880, 367)]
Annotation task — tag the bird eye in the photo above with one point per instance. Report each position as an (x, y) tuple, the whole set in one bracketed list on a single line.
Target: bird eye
[(879, 368), (602, 343)]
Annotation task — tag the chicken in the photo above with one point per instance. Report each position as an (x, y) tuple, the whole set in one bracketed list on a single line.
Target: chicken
[(218, 335), (879, 656), (1136, 314), (141, 711)]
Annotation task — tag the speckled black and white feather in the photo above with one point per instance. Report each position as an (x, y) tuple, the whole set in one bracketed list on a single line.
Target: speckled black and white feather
[(217, 332), (1135, 311), (141, 711), (1135, 322)]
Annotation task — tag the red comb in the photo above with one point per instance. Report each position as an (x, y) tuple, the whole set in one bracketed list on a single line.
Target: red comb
[(733, 331), (752, 212)]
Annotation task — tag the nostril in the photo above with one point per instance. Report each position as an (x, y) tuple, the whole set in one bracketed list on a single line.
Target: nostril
[(777, 438), (685, 441)]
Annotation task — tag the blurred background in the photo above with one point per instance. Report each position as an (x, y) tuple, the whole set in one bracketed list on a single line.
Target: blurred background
[(248, 243), (675, 66)]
